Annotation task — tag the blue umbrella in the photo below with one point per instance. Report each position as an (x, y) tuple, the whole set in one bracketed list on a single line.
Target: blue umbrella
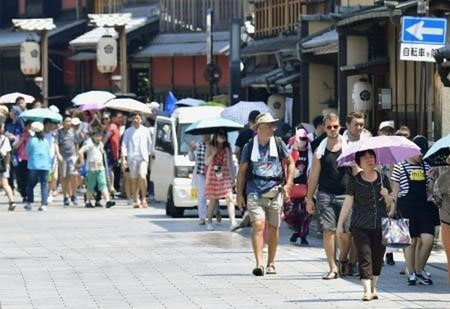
[(212, 125), (438, 153), (39, 114)]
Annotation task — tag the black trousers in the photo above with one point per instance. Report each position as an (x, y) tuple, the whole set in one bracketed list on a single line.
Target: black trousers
[(370, 250), (22, 178)]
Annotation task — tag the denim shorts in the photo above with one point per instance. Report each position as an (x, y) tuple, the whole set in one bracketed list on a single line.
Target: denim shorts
[(329, 207)]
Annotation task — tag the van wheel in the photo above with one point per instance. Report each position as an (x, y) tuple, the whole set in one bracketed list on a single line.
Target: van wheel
[(175, 212)]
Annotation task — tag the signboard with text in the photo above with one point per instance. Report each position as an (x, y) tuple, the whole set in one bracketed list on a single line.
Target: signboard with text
[(421, 36)]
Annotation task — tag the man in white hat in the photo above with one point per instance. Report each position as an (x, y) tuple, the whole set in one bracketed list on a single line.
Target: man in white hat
[(387, 128), (267, 187)]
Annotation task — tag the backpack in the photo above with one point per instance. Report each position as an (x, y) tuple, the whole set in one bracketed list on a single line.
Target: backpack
[(250, 175)]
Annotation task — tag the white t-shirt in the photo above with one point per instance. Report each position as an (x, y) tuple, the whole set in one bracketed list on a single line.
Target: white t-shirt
[(51, 138), (5, 145), (94, 153)]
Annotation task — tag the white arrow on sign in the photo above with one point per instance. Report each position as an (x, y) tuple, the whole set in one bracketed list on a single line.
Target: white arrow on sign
[(418, 30)]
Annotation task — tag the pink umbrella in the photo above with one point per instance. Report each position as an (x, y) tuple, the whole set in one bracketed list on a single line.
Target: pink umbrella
[(91, 107), (389, 149)]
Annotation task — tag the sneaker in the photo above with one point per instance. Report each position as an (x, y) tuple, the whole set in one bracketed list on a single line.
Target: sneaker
[(294, 237), (74, 200), (412, 279), (234, 226), (209, 227), (422, 278), (353, 269), (50, 199), (88, 205), (66, 201), (27, 207), (42, 208), (110, 204), (201, 222), (390, 259)]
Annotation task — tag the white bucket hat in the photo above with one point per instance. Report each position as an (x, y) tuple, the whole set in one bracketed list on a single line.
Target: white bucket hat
[(37, 127), (263, 118)]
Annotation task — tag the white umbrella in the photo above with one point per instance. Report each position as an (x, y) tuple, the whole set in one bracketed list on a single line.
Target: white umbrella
[(240, 111), (90, 97), (189, 102), (128, 105), (11, 98)]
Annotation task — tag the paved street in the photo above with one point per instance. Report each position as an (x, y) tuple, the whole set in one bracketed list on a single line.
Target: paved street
[(128, 258)]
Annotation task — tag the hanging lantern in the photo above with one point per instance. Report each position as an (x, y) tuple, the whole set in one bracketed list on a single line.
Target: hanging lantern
[(362, 96), (106, 54), (30, 57)]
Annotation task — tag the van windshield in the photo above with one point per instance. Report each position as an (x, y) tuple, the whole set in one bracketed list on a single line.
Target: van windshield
[(185, 140)]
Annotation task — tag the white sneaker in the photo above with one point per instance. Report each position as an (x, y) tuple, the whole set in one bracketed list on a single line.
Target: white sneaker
[(234, 226), (201, 222), (42, 208), (209, 227), (50, 198)]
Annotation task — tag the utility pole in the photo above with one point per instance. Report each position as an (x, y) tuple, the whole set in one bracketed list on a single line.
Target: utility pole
[(123, 58), (44, 61), (235, 60)]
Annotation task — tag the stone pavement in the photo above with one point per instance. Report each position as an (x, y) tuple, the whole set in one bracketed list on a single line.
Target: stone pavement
[(139, 258)]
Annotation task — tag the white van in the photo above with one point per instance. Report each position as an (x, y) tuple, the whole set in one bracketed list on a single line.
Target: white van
[(171, 169)]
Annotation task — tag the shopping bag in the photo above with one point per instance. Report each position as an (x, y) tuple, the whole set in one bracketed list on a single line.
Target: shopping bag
[(395, 232)]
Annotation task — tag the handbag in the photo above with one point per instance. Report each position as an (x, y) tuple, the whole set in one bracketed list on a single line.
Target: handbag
[(2, 158), (395, 232), (298, 192)]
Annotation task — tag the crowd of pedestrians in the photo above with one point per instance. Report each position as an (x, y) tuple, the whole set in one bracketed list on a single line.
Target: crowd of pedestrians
[(299, 177), (294, 177)]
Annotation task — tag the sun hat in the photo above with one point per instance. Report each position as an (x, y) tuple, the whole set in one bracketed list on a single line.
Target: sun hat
[(53, 108), (37, 127), (76, 121), (387, 124), (263, 118)]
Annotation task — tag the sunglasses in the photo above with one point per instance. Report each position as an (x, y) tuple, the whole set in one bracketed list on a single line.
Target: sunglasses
[(333, 127), (105, 119), (304, 139)]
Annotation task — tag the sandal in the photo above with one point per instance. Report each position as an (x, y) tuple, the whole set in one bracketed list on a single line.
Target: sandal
[(258, 271), (344, 268), (12, 206), (330, 275), (270, 270), (367, 297)]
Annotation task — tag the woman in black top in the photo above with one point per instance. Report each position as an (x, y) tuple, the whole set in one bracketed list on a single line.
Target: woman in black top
[(368, 195)]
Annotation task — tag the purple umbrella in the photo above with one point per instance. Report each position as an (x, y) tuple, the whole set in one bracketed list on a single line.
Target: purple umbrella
[(91, 107), (389, 149)]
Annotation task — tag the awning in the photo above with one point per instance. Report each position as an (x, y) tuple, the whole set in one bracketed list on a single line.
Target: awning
[(89, 39), (83, 56), (365, 66), (10, 39), (270, 46), (184, 44), (371, 13), (325, 43), (276, 77)]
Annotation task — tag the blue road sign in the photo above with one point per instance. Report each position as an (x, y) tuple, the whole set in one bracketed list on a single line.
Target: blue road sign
[(424, 30)]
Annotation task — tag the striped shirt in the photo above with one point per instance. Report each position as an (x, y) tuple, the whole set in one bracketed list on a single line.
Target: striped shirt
[(415, 172), (200, 156)]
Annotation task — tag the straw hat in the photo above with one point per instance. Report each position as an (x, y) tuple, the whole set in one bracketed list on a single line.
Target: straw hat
[(263, 118)]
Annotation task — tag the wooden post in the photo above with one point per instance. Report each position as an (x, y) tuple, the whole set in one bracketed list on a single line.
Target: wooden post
[(123, 58), (44, 70)]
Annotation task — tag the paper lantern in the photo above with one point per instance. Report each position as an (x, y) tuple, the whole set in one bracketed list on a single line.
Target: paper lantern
[(106, 54), (362, 96), (30, 58)]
